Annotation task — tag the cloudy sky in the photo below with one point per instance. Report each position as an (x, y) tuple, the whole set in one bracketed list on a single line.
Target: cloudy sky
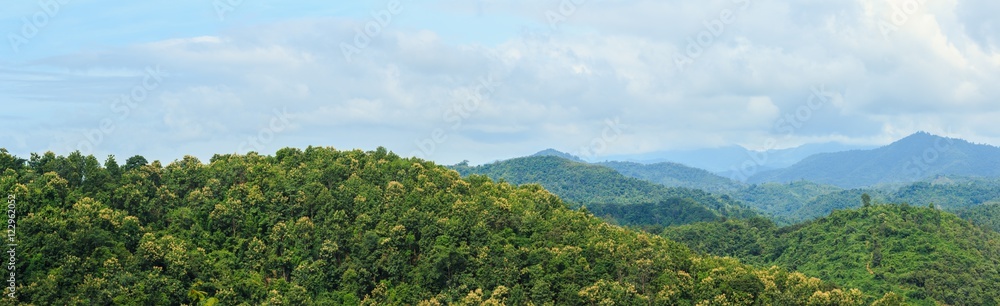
[(483, 80)]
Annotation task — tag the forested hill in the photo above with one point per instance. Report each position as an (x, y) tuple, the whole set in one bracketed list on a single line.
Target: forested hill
[(675, 175), (607, 193), (326, 227), (954, 194), (927, 255), (554, 152), (910, 159)]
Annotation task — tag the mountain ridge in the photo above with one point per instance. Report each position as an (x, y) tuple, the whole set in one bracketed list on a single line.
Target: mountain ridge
[(603, 189), (909, 159)]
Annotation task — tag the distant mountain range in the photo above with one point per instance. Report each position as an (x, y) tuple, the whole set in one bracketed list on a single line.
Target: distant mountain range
[(675, 175), (607, 193), (724, 160), (916, 157), (913, 158), (915, 250)]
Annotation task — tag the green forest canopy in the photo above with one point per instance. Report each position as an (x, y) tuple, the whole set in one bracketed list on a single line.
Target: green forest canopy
[(326, 227), (923, 253)]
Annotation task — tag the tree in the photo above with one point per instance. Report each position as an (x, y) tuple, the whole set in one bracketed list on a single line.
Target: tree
[(111, 165), (8, 161), (135, 162)]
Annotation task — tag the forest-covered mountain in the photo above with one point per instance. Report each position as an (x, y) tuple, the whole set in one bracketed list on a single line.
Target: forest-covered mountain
[(784, 203), (675, 175), (556, 153), (609, 194), (916, 157), (954, 194), (927, 255), (986, 215), (326, 227)]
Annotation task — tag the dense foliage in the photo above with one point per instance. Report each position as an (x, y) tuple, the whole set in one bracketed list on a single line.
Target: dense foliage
[(607, 193), (327, 227), (951, 193), (986, 215), (786, 202), (924, 254), (961, 195)]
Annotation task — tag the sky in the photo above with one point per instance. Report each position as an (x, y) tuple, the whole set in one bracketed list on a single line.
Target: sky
[(483, 80)]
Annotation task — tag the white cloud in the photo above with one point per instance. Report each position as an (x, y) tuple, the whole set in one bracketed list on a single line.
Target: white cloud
[(611, 59)]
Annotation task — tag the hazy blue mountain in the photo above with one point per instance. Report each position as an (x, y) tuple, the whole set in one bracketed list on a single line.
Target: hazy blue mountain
[(556, 153), (724, 160), (711, 159), (910, 159), (675, 175)]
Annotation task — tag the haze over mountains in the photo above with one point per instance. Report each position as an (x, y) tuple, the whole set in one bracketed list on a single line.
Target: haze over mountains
[(913, 158), (910, 159), (726, 159), (898, 219), (919, 169)]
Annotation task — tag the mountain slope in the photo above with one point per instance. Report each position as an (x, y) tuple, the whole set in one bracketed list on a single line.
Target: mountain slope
[(915, 157), (554, 152), (784, 202), (675, 175), (928, 255), (605, 192), (326, 227), (780, 201), (952, 194), (986, 215)]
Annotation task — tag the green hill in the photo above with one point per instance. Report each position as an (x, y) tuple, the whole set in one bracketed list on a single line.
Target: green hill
[(675, 175), (954, 194), (554, 152), (925, 254), (786, 202), (781, 201), (609, 194), (327, 227), (986, 215)]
